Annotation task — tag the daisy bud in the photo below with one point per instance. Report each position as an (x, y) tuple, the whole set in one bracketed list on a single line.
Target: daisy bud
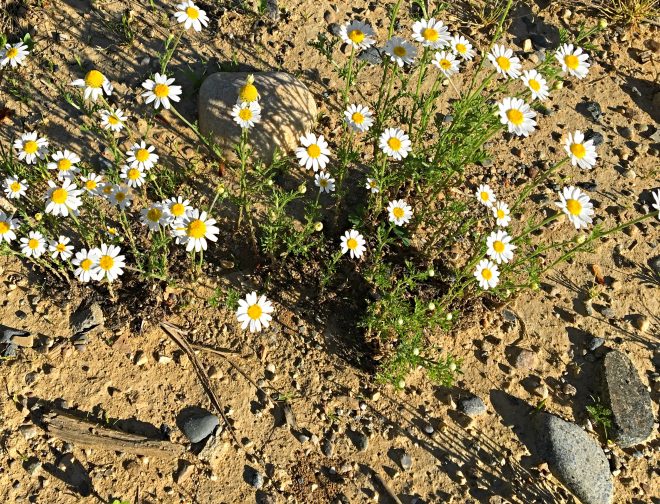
[(432, 306), (581, 239), (535, 286), (221, 189), (401, 383), (270, 183), (450, 316), (452, 367), (415, 352), (38, 216), (318, 226), (558, 85), (602, 23), (431, 272), (302, 188), (400, 321)]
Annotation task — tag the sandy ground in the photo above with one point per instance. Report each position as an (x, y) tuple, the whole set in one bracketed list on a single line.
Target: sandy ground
[(316, 365)]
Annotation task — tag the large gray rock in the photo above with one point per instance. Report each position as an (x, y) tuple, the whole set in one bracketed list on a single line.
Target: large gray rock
[(575, 459), (628, 398), (288, 111)]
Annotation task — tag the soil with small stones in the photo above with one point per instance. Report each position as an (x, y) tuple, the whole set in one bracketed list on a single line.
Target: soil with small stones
[(322, 365)]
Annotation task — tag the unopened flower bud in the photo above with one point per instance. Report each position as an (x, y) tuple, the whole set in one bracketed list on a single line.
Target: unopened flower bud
[(318, 226), (221, 189), (432, 306), (452, 366), (401, 383), (270, 183), (302, 188), (431, 272), (581, 239), (602, 23), (450, 316), (400, 321), (535, 286), (38, 216)]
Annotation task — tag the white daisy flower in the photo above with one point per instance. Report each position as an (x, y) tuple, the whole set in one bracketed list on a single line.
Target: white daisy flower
[(177, 207), (15, 188), (504, 61), (61, 248), (400, 51), (656, 205), (577, 206), (13, 55), (113, 119), (7, 227), (191, 16), (134, 177), (92, 183), (573, 60), (247, 114), (358, 117), (462, 46), (161, 90), (499, 247), (357, 34), (142, 156), (487, 274), (372, 185), (536, 84), (106, 190), (30, 147), (395, 143), (517, 116), (431, 33), (502, 214), (248, 92), (313, 153), (399, 212), (95, 84), (581, 152), (109, 263), (64, 199), (121, 196), (65, 164), (85, 262), (194, 229), (353, 243), (253, 312), (34, 245), (446, 62), (324, 182), (154, 217), (485, 195)]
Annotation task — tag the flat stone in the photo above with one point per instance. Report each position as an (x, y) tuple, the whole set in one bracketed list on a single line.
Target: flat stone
[(575, 458), (472, 406), (183, 472), (627, 397), (86, 318), (525, 359), (288, 110), (405, 461), (199, 426)]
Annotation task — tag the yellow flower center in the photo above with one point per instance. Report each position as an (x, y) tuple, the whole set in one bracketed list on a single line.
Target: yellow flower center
[(4, 227), (399, 51), (177, 209), (161, 90), (394, 143), (445, 64), (254, 312), (90, 185), (107, 189), (120, 196), (12, 53), (86, 264), (515, 116), (15, 186), (197, 229), (313, 151), (498, 246), (248, 93), (534, 85), (504, 63), (573, 206), (94, 79), (578, 150), (571, 61), (398, 212), (106, 262), (484, 196), (133, 174), (192, 12), (356, 36), (461, 48), (352, 243), (60, 247), (113, 119), (142, 155), (323, 182), (501, 214), (30, 147), (486, 274), (154, 214), (430, 34), (59, 196), (357, 118), (245, 114), (64, 164), (33, 243)]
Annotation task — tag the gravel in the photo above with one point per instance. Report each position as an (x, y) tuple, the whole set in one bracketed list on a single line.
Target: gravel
[(472, 406)]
